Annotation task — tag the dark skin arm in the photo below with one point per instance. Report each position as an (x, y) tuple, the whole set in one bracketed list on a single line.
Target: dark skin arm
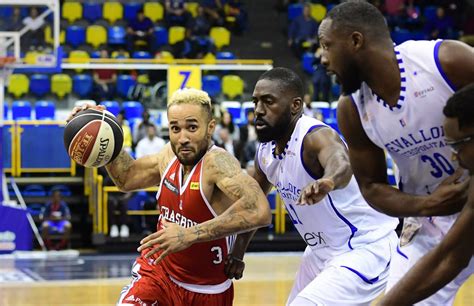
[(441, 265), (370, 170), (332, 164)]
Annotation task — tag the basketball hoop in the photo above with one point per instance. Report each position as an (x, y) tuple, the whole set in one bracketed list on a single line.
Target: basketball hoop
[(6, 65)]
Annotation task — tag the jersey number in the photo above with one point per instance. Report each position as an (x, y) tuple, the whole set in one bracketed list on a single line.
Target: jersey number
[(218, 251), (295, 219), (439, 163)]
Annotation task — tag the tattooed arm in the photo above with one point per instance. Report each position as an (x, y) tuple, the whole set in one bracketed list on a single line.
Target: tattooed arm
[(130, 174), (250, 209)]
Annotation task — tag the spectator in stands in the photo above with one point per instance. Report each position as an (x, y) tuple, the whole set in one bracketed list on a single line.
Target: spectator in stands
[(247, 134), (214, 11), (140, 129), (151, 144), (177, 15), (309, 110), (321, 80), (468, 27), (440, 27), (236, 10), (34, 38), (55, 221), (225, 140), (117, 207), (140, 29), (127, 134), (302, 31), (227, 121), (201, 25), (104, 81), (13, 22)]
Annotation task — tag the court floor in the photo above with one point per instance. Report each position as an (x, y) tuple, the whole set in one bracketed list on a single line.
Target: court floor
[(98, 279)]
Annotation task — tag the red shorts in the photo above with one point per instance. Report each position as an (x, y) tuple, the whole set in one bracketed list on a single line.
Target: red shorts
[(152, 286)]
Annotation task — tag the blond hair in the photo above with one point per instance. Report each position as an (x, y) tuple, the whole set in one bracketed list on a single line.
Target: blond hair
[(192, 96)]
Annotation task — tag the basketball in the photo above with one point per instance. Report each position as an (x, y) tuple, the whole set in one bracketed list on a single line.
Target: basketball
[(93, 138)]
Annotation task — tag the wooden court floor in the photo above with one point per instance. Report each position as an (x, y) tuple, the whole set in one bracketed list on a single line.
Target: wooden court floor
[(267, 281)]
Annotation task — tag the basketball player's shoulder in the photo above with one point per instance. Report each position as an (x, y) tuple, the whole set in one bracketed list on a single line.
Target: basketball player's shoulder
[(164, 157), (220, 162)]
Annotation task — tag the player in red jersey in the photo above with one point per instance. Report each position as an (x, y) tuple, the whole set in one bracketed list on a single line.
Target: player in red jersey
[(204, 198)]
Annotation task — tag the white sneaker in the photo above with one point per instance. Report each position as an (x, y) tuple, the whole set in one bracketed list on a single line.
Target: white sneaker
[(114, 232), (124, 232)]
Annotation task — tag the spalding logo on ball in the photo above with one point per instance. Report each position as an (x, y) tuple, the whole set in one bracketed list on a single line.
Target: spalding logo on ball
[(93, 138)]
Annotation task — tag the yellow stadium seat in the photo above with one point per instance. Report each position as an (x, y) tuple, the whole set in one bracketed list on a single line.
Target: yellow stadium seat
[(48, 35), (154, 11), (72, 11), (232, 86), (96, 35), (176, 34), (318, 11), (192, 7), (209, 58), (221, 36), (61, 85), (30, 57), (166, 56), (112, 11), (18, 85), (79, 56), (121, 54), (143, 79)]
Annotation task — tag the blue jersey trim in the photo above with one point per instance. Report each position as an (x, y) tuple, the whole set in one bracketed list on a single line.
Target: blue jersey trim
[(301, 150), (351, 226), (401, 253), (440, 68), (362, 276)]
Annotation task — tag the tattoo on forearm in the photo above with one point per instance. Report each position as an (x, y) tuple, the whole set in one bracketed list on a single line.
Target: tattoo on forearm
[(119, 168)]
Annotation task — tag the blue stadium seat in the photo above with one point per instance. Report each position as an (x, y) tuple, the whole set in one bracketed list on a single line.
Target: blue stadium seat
[(112, 106), (21, 110), (294, 10), (34, 190), (45, 110), (401, 35), (92, 11), (5, 110), (212, 85), (6, 11), (116, 35), (307, 62), (430, 12), (225, 55), (82, 84), (142, 55), (64, 189), (75, 35), (35, 209), (131, 9), (132, 109), (95, 54), (124, 83), (40, 84), (161, 36)]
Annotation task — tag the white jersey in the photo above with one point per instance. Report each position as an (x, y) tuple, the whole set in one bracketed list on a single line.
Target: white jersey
[(342, 221), (412, 131)]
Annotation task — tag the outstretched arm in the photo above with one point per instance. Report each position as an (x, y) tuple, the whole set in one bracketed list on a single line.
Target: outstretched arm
[(370, 170), (441, 265), (332, 164)]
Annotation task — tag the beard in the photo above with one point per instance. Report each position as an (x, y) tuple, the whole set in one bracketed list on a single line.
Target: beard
[(351, 82), (273, 132), (195, 156)]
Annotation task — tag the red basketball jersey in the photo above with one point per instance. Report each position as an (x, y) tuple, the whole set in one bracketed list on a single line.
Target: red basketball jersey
[(184, 203)]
